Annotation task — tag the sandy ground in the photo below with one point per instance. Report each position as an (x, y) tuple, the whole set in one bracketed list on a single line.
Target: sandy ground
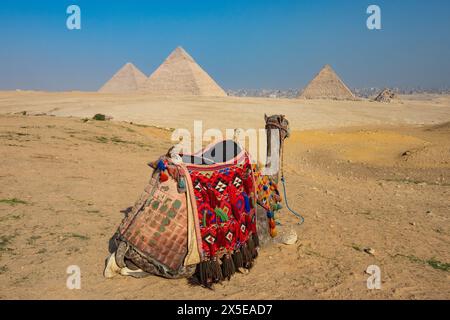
[(228, 112), (383, 186)]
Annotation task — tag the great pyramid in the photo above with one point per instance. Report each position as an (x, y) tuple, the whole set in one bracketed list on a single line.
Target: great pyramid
[(127, 79), (327, 85), (179, 74)]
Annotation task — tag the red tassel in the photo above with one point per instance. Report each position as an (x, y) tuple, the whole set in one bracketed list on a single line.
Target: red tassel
[(163, 177), (212, 198)]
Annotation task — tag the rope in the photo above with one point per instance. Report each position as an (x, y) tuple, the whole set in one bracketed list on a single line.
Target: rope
[(287, 204), (283, 180)]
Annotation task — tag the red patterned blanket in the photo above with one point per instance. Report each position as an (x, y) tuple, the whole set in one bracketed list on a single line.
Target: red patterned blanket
[(199, 214), (225, 195)]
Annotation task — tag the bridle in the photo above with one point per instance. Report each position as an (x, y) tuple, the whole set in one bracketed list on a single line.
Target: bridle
[(276, 123)]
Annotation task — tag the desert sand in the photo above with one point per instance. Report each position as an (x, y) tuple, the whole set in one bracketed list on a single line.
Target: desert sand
[(371, 179)]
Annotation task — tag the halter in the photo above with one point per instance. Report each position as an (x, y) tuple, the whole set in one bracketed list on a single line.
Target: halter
[(276, 124)]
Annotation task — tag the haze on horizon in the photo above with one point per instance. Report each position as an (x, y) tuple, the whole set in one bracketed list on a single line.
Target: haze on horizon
[(241, 44)]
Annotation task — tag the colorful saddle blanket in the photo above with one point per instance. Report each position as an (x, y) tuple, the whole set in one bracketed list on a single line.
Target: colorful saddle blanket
[(198, 210), (225, 196)]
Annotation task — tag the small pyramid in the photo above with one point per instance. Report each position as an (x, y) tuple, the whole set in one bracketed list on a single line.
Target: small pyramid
[(179, 74), (386, 96), (327, 85), (127, 79)]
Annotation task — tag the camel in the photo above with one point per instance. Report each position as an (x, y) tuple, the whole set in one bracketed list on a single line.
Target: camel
[(128, 261)]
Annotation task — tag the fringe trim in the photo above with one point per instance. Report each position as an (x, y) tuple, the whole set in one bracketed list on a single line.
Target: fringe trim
[(209, 272), (216, 270), (237, 259), (228, 268), (252, 248), (247, 258), (204, 274), (255, 240)]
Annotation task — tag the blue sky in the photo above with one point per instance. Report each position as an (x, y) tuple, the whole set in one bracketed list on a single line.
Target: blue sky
[(241, 43)]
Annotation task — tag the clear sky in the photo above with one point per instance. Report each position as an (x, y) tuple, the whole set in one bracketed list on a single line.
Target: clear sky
[(240, 43)]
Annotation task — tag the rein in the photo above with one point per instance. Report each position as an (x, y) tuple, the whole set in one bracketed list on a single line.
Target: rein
[(283, 181)]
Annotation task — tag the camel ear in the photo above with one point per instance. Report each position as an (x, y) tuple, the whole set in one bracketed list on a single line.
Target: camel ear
[(265, 117)]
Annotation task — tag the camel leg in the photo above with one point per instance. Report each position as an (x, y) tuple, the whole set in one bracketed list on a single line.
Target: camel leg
[(112, 269), (286, 235), (262, 226), (138, 273)]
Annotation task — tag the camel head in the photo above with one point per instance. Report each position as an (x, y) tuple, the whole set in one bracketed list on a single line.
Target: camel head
[(278, 121)]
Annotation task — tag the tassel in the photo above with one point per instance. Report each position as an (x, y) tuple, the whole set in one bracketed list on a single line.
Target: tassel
[(250, 244), (212, 199), (247, 203), (273, 233), (221, 214), (252, 248), (161, 166), (228, 268), (237, 259), (205, 212), (276, 207), (153, 164), (173, 172), (181, 185), (272, 224), (255, 240), (246, 257), (163, 177), (204, 274), (216, 271)]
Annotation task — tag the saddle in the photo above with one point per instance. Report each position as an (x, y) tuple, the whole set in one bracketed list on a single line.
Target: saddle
[(197, 215)]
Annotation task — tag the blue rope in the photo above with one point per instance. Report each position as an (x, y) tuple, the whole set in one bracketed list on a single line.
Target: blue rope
[(287, 204)]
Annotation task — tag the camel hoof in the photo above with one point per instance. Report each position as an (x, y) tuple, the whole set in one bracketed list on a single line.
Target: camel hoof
[(111, 268), (289, 237)]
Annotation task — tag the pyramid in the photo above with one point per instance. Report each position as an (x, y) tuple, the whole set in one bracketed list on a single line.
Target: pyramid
[(327, 85), (386, 96), (127, 79), (179, 74)]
